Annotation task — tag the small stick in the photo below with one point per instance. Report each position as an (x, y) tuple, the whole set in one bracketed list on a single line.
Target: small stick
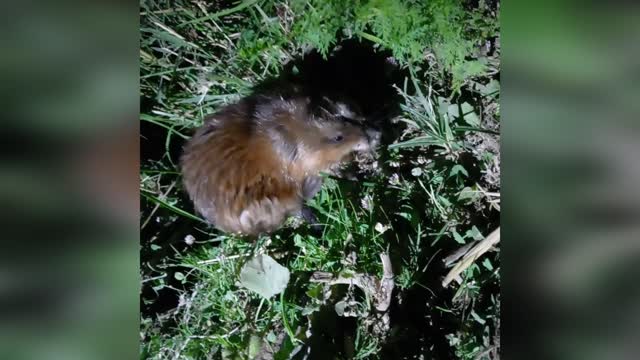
[(380, 290), (157, 206), (473, 254), (383, 296)]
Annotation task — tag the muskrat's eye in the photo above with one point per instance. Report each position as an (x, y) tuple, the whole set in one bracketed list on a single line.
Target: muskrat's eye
[(337, 138)]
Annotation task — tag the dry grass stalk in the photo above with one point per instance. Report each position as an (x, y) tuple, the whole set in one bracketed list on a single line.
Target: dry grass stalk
[(471, 256)]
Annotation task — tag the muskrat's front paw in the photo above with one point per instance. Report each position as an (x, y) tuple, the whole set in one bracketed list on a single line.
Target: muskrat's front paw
[(308, 215), (311, 186)]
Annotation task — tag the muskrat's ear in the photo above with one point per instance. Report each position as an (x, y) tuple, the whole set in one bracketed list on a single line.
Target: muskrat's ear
[(207, 129), (348, 110)]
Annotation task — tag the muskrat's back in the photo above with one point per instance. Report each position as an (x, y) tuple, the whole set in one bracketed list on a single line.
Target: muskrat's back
[(250, 165)]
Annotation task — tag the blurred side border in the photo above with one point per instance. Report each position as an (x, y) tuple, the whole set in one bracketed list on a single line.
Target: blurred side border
[(69, 279), (570, 173)]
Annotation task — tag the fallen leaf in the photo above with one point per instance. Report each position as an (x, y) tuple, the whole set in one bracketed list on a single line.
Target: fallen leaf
[(264, 276)]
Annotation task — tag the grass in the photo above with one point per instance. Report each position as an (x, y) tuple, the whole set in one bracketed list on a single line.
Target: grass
[(434, 189)]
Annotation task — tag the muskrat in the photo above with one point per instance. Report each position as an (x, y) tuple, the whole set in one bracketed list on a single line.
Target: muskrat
[(254, 163)]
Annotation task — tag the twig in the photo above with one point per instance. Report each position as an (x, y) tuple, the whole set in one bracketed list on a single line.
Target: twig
[(176, 355), (155, 208), (380, 290), (473, 254), (449, 260), (383, 296), (222, 258), (154, 278)]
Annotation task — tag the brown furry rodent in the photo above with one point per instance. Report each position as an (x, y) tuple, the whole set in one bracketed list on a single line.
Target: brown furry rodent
[(252, 164)]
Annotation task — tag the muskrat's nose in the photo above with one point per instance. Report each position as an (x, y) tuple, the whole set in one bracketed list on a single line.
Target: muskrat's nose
[(373, 136), (362, 146), (370, 141)]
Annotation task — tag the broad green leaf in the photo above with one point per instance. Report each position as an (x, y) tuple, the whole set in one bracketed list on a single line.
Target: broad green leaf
[(340, 307), (492, 88), (458, 169), (271, 337), (474, 233), (264, 276), (457, 237), (487, 264), (468, 193), (309, 309), (469, 115), (466, 112)]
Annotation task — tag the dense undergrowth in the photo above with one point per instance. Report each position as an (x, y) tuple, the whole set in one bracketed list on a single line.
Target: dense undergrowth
[(434, 67)]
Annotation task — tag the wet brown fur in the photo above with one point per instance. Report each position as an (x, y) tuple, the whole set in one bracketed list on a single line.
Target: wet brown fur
[(252, 164)]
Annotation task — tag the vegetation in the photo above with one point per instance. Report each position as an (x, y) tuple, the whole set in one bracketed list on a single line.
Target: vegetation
[(433, 190)]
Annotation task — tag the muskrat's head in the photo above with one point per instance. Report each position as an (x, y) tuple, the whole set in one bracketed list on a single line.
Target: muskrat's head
[(337, 130), (314, 136)]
